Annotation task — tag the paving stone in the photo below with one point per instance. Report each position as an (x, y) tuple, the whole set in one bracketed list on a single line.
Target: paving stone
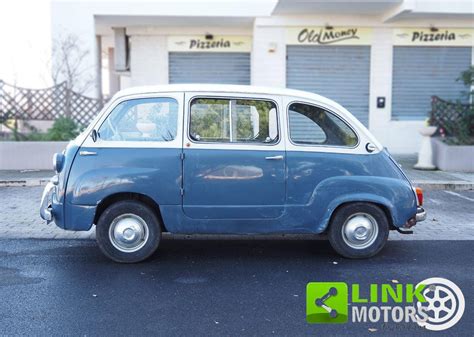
[(450, 217)]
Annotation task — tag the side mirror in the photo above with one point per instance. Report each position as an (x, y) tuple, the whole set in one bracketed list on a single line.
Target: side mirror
[(94, 135)]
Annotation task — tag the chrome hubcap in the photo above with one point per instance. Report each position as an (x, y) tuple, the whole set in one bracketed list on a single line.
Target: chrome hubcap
[(128, 233), (360, 230)]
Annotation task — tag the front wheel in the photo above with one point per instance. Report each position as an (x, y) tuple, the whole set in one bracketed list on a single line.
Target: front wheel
[(128, 232), (358, 230)]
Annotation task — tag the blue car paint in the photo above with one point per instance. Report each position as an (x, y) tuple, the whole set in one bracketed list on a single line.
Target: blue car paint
[(233, 184), (59, 200), (324, 182), (229, 191), (155, 173)]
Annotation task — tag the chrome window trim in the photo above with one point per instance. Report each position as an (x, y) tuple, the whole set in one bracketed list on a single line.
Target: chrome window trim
[(320, 145), (188, 122)]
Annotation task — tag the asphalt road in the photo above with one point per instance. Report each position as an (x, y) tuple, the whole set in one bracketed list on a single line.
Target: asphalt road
[(207, 287)]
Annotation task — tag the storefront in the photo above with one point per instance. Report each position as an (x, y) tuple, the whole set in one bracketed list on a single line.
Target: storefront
[(209, 59), (427, 62)]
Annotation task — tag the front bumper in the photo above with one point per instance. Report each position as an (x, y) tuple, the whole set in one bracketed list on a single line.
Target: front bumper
[(420, 214), (46, 206)]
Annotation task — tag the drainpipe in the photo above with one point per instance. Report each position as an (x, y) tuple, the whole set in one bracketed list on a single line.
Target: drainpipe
[(100, 97)]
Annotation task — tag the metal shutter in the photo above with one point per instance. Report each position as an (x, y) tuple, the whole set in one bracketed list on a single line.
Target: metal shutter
[(421, 72), (225, 68), (341, 73), (303, 129)]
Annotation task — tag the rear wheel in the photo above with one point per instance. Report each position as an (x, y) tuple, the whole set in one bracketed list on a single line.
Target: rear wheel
[(358, 230), (128, 232)]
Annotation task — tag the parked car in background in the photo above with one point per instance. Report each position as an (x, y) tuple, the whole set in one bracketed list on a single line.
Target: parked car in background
[(219, 159)]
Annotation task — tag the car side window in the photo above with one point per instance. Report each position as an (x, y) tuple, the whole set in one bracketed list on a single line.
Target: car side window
[(312, 125), (233, 121), (144, 119)]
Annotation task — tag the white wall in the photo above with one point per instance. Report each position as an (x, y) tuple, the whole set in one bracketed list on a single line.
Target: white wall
[(268, 68), (29, 155), (149, 60)]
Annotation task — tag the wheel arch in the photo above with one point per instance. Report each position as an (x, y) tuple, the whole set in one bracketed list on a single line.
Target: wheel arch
[(383, 203), (121, 196), (382, 206)]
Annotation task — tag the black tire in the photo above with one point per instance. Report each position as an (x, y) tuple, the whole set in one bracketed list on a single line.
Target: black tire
[(138, 210), (339, 241)]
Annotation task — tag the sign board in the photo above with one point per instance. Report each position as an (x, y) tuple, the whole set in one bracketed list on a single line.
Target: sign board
[(427, 37), (325, 36), (199, 43)]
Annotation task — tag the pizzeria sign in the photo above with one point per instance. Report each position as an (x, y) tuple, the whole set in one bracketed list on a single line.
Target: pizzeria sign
[(329, 36), (433, 37), (199, 43)]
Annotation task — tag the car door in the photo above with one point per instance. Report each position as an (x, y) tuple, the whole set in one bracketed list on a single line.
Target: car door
[(234, 157), (321, 147), (137, 150)]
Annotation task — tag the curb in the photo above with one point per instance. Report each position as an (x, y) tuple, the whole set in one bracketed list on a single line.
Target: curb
[(27, 182), (450, 185)]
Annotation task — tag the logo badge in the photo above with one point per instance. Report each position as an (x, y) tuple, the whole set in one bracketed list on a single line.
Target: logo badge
[(327, 302), (444, 304)]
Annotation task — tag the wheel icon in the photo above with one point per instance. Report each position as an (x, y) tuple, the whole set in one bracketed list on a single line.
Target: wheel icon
[(444, 304)]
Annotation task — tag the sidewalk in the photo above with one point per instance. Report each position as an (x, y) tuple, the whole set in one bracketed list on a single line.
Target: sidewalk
[(24, 178), (433, 180), (449, 218)]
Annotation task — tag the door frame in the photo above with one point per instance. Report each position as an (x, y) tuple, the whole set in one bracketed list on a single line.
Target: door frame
[(278, 147)]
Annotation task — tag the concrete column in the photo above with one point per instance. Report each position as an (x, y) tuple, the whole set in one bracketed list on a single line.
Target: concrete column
[(269, 56), (114, 79), (149, 60), (381, 53)]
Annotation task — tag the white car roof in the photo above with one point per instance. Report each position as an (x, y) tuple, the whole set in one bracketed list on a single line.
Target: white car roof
[(250, 89), (226, 88)]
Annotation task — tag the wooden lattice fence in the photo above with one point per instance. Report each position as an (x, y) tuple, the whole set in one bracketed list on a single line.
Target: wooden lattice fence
[(18, 103), (446, 114)]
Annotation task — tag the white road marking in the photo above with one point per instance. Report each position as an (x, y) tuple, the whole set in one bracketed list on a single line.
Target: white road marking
[(436, 202), (459, 195)]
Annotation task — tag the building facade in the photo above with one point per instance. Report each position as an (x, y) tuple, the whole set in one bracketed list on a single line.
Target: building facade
[(382, 60)]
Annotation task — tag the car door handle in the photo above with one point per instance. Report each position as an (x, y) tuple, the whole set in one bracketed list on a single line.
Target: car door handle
[(87, 153), (274, 158)]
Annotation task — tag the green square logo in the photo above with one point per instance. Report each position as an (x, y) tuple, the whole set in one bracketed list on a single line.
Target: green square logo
[(327, 302)]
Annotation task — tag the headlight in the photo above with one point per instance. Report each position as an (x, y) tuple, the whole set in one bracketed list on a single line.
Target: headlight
[(58, 162)]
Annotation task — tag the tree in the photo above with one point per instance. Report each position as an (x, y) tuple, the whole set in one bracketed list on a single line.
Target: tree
[(70, 68), (69, 64)]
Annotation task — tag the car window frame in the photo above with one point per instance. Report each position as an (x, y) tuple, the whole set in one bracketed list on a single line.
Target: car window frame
[(140, 141), (326, 109), (86, 140), (228, 97)]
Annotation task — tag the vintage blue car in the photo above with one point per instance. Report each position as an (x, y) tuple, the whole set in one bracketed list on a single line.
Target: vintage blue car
[(221, 159)]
